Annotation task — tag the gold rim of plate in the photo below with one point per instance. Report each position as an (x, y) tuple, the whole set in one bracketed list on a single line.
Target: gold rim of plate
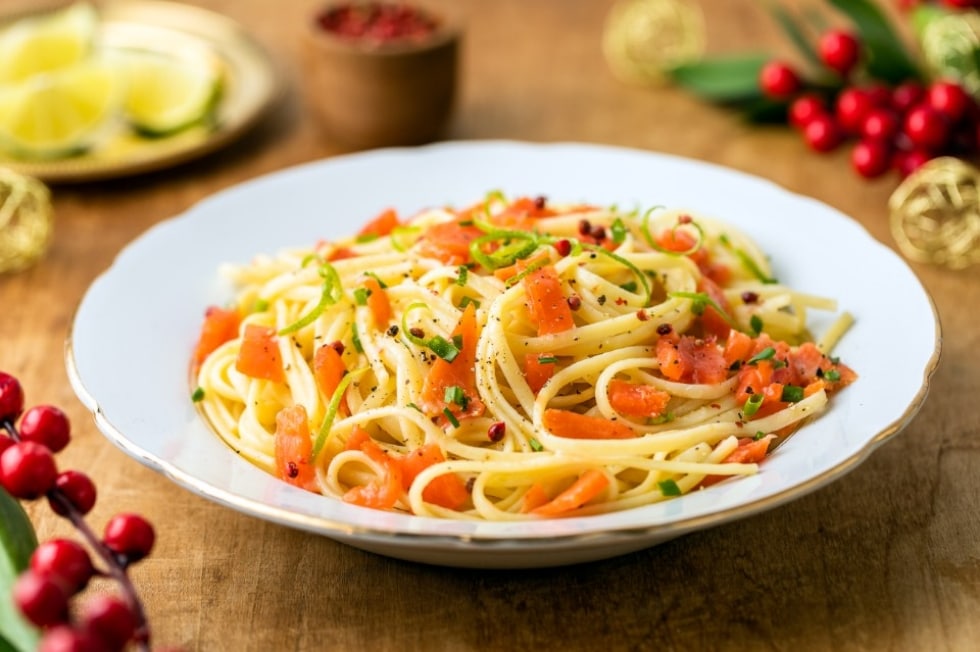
[(249, 88)]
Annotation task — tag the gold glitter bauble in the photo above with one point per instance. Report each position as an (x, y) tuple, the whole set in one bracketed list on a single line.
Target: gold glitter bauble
[(26, 220), (644, 38), (935, 213)]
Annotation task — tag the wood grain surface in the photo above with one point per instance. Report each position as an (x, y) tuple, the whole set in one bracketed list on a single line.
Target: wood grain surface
[(887, 558)]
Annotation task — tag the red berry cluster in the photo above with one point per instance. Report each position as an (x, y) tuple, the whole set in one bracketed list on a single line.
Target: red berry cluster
[(894, 128), (61, 568)]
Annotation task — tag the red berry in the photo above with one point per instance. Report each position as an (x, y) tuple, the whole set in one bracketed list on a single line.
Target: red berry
[(46, 425), (109, 619), (949, 99), (926, 128), (880, 124), (839, 51), (804, 109), (11, 398), (27, 470), (41, 598), (77, 488), (822, 134), (852, 106), (870, 158), (778, 80), (907, 95), (130, 535), (5, 443), (63, 638), (908, 162), (962, 4), (64, 560)]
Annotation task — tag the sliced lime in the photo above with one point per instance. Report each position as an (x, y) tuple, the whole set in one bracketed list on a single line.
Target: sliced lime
[(59, 113), (166, 94), (47, 42)]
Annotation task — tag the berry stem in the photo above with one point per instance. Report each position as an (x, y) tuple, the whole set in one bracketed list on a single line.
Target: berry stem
[(116, 565)]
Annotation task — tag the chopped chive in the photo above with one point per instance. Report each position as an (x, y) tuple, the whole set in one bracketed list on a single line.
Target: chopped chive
[(765, 354), (747, 261), (461, 275), (443, 348), (455, 394), (356, 339), (381, 284), (618, 231), (755, 322), (452, 417), (792, 394), (779, 364), (465, 301), (666, 417), (414, 407), (547, 359), (198, 395), (701, 301), (756, 271), (752, 405), (260, 305), (361, 296), (629, 287), (832, 375), (669, 488), (758, 435), (536, 445), (366, 237)]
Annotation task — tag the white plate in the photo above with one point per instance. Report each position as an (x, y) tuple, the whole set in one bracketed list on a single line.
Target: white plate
[(133, 332)]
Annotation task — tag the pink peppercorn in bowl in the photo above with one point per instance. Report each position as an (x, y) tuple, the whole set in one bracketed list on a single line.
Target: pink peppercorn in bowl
[(381, 73)]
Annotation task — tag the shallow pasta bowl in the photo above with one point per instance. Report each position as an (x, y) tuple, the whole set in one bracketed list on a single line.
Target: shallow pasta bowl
[(132, 335)]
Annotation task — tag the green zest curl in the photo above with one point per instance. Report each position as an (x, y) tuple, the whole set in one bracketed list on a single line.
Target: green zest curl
[(332, 293), (332, 407)]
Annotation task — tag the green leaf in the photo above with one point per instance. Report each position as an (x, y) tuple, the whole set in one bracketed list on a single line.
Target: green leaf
[(17, 542), (796, 34), (888, 60), (723, 79)]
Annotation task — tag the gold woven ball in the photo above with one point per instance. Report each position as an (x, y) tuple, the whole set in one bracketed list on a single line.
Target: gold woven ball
[(935, 213), (644, 38), (26, 220)]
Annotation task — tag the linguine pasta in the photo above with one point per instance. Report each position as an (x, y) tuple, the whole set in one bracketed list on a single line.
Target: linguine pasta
[(517, 359)]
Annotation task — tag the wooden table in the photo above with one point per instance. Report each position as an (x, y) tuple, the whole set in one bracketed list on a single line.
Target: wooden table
[(887, 558)]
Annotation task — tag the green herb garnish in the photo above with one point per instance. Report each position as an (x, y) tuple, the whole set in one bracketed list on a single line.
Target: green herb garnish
[(452, 417), (669, 488), (752, 405), (792, 394), (765, 354)]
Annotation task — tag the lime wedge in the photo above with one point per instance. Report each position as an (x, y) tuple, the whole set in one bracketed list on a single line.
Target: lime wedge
[(59, 113), (47, 42), (166, 94)]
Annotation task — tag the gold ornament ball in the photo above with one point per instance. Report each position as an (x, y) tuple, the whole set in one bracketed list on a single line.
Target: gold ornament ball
[(26, 220), (642, 39), (935, 213)]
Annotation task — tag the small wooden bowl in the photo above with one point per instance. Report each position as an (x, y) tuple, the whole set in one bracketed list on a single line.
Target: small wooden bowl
[(370, 94)]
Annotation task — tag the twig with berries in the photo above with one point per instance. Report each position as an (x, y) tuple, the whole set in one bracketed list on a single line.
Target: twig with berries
[(60, 569), (863, 85)]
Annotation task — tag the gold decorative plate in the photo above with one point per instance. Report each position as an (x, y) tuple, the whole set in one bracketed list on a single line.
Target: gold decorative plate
[(249, 87)]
